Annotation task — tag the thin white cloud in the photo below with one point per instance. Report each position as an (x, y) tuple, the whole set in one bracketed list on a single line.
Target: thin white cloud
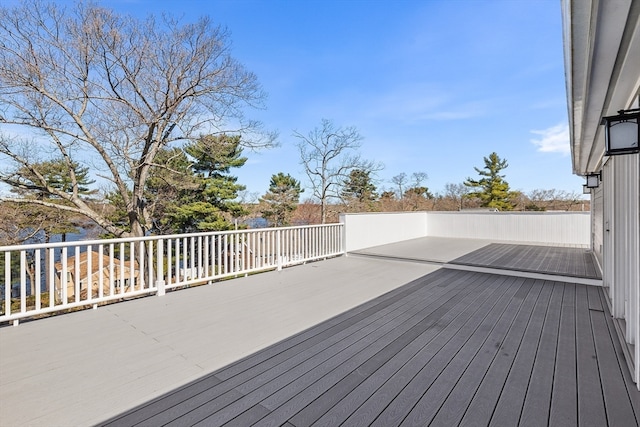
[(419, 103), (553, 140)]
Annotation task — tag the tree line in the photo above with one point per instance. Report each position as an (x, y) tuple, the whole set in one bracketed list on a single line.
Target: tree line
[(156, 109)]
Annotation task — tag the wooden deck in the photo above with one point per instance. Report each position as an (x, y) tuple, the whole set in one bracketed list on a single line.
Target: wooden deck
[(349, 341), (451, 348), (572, 262)]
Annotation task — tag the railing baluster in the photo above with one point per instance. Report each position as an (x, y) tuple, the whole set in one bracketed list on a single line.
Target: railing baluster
[(133, 267), (51, 283), (177, 261), (139, 263), (123, 266), (169, 273), (207, 258), (76, 274), (23, 281), (7, 283), (192, 257), (160, 285), (38, 279), (100, 270), (266, 253), (226, 253), (150, 275), (219, 255), (89, 273), (64, 277), (200, 250), (239, 253)]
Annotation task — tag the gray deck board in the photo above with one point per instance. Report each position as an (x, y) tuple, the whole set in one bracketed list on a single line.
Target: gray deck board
[(591, 411), (420, 349), (473, 359), (564, 403), (453, 357), (572, 262), (537, 401), (399, 351), (620, 411), (453, 348), (505, 410), (290, 381), (486, 375), (250, 367)]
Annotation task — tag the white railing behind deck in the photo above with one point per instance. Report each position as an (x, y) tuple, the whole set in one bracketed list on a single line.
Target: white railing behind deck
[(100, 271)]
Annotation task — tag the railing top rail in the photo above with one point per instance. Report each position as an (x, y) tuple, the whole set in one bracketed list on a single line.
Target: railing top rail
[(151, 238)]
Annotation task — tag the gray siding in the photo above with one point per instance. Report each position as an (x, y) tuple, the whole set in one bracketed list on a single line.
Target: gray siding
[(597, 225), (621, 272)]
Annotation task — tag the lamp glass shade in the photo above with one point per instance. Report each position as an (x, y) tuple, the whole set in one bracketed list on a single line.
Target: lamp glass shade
[(593, 181), (622, 134)]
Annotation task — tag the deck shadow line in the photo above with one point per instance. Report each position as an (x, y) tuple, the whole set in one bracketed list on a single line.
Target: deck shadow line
[(461, 264)]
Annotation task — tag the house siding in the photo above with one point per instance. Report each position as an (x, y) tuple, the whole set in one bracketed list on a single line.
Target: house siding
[(621, 275)]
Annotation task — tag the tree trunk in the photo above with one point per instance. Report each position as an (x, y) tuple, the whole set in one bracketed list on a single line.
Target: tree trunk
[(136, 226), (323, 211)]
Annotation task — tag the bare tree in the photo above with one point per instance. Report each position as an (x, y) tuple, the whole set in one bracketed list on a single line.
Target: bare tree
[(401, 181), (456, 192), (108, 91), (553, 199), (419, 178), (329, 154)]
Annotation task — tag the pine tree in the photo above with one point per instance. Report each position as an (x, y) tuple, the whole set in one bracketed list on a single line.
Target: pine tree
[(491, 188), (213, 204), (359, 186), (281, 199)]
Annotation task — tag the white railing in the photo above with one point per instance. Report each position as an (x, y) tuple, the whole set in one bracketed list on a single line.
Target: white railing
[(46, 278)]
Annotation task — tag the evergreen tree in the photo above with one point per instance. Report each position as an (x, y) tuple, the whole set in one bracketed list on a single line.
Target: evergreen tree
[(212, 204), (281, 199), (52, 215), (359, 186), (64, 176), (61, 174), (491, 188)]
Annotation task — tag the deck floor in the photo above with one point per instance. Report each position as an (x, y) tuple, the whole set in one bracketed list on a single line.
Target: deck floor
[(451, 348), (572, 262), (348, 341)]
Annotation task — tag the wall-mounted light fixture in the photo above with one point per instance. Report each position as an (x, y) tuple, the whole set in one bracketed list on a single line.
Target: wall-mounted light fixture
[(622, 132), (593, 180), (585, 189)]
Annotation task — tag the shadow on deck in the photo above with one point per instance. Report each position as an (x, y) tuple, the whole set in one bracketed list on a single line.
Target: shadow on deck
[(356, 340), (454, 347)]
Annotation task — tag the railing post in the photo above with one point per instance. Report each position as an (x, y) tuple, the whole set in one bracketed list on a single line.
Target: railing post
[(160, 284), (279, 248)]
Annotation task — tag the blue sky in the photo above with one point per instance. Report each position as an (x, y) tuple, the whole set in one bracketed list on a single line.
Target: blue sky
[(433, 86)]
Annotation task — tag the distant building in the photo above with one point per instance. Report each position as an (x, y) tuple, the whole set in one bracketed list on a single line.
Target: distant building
[(91, 272)]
